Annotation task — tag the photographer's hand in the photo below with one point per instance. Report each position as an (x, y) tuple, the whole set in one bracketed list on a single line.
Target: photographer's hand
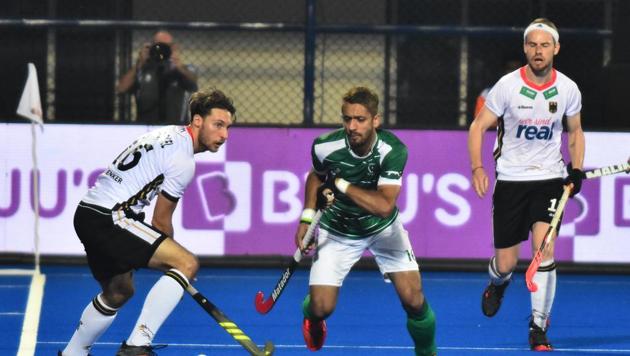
[(143, 55)]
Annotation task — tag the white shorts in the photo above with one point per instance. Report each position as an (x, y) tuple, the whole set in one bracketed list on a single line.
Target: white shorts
[(336, 255)]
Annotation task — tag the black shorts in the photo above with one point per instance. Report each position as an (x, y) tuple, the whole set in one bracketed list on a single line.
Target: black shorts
[(114, 242), (516, 206)]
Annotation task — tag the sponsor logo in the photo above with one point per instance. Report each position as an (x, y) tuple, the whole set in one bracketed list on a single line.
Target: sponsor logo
[(550, 93), (525, 107), (532, 132), (525, 91)]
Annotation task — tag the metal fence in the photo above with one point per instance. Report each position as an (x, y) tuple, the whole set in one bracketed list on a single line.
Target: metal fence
[(287, 62)]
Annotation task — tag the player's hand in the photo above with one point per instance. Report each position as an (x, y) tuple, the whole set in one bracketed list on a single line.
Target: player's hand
[(325, 197), (480, 181), (575, 178), (299, 237)]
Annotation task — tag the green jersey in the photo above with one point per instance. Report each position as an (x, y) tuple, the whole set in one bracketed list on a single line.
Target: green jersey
[(383, 165)]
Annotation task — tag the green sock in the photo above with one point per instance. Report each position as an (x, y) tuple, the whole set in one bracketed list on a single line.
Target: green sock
[(421, 327), (306, 310)]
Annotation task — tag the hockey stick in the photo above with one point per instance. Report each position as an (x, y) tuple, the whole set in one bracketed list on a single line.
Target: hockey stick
[(537, 260), (229, 325), (608, 170), (264, 306)]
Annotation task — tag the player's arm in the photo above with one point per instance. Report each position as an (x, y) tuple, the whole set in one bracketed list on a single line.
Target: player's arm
[(163, 214), (380, 202), (485, 120), (576, 141)]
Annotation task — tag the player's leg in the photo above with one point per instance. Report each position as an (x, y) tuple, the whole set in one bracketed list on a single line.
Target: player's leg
[(510, 227), (395, 258), (99, 314), (333, 260), (542, 209), (180, 266)]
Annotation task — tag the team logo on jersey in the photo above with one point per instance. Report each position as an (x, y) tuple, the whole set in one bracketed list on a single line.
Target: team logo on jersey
[(553, 107)]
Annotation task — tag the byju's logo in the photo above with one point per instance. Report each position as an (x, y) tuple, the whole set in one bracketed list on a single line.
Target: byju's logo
[(218, 198)]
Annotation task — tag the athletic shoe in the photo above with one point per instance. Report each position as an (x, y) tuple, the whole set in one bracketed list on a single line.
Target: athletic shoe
[(538, 338), (314, 333), (128, 350), (492, 297)]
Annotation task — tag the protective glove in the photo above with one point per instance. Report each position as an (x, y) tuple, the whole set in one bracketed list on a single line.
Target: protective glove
[(575, 176), (325, 197)]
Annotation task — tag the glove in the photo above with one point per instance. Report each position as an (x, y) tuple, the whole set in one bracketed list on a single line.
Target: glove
[(325, 197), (575, 176), (326, 191)]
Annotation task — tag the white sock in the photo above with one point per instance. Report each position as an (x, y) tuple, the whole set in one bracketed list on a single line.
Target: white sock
[(158, 305), (496, 277), (96, 318), (542, 299)]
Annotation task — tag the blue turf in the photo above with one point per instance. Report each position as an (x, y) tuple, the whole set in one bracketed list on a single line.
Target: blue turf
[(590, 316)]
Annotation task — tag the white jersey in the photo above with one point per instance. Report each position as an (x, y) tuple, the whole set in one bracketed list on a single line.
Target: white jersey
[(530, 124), (158, 161)]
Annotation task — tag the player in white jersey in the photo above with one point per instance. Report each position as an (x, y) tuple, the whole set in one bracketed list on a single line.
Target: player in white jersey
[(109, 223), (367, 164), (528, 105)]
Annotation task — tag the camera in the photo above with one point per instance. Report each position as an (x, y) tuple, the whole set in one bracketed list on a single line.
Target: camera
[(160, 52)]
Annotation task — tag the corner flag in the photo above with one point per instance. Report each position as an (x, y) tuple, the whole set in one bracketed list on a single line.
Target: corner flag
[(30, 106)]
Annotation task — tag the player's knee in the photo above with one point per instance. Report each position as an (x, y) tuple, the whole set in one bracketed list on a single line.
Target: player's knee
[(189, 266), (412, 301), (118, 297), (321, 308)]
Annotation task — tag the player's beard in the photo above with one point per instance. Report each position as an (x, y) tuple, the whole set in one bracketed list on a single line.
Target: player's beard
[(361, 144)]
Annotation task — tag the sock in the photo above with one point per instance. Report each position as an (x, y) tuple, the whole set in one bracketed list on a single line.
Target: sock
[(421, 327), (542, 299), (96, 318), (497, 278), (160, 302), (306, 310)]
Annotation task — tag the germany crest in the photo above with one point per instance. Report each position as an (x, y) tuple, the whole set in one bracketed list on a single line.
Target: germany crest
[(553, 107)]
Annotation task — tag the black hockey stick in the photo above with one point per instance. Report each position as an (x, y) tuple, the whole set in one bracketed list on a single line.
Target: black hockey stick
[(229, 325), (264, 306)]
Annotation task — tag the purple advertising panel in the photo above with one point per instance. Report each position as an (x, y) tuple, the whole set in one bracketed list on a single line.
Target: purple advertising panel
[(246, 199), (439, 208)]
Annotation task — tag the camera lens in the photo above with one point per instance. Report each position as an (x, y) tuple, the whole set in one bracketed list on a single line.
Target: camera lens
[(160, 52)]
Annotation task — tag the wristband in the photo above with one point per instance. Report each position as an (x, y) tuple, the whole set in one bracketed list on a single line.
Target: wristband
[(307, 216), (342, 185)]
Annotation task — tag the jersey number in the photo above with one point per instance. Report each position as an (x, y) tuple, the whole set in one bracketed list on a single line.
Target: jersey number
[(130, 157)]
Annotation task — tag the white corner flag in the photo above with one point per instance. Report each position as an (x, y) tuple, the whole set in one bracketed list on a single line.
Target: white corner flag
[(30, 106)]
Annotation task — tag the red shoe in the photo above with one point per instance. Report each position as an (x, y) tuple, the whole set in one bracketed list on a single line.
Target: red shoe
[(314, 333), (538, 338)]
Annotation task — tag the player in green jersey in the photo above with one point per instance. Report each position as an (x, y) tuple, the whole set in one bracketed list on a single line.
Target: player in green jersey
[(363, 165)]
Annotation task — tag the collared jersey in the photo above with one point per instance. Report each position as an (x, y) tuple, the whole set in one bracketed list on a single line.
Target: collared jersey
[(530, 124), (384, 164), (159, 161)]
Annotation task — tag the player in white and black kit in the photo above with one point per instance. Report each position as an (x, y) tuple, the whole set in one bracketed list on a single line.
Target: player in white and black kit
[(109, 223), (528, 105)]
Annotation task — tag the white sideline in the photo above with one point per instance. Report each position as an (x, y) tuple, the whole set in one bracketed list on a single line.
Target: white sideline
[(28, 339)]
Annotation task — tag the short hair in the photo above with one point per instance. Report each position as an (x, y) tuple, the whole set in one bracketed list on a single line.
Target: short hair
[(201, 103), (363, 96)]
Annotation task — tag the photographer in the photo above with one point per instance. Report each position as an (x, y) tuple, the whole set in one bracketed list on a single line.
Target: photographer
[(160, 82)]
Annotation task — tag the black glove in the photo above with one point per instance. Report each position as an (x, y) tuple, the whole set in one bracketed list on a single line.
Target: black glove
[(325, 197), (575, 176), (326, 191)]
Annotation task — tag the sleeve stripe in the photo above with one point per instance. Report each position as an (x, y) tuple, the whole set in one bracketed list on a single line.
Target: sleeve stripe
[(169, 197)]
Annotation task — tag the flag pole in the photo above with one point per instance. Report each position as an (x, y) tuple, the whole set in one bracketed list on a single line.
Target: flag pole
[(35, 173)]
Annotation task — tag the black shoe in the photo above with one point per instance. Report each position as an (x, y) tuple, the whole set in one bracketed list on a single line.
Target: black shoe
[(128, 350), (538, 338), (492, 297)]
